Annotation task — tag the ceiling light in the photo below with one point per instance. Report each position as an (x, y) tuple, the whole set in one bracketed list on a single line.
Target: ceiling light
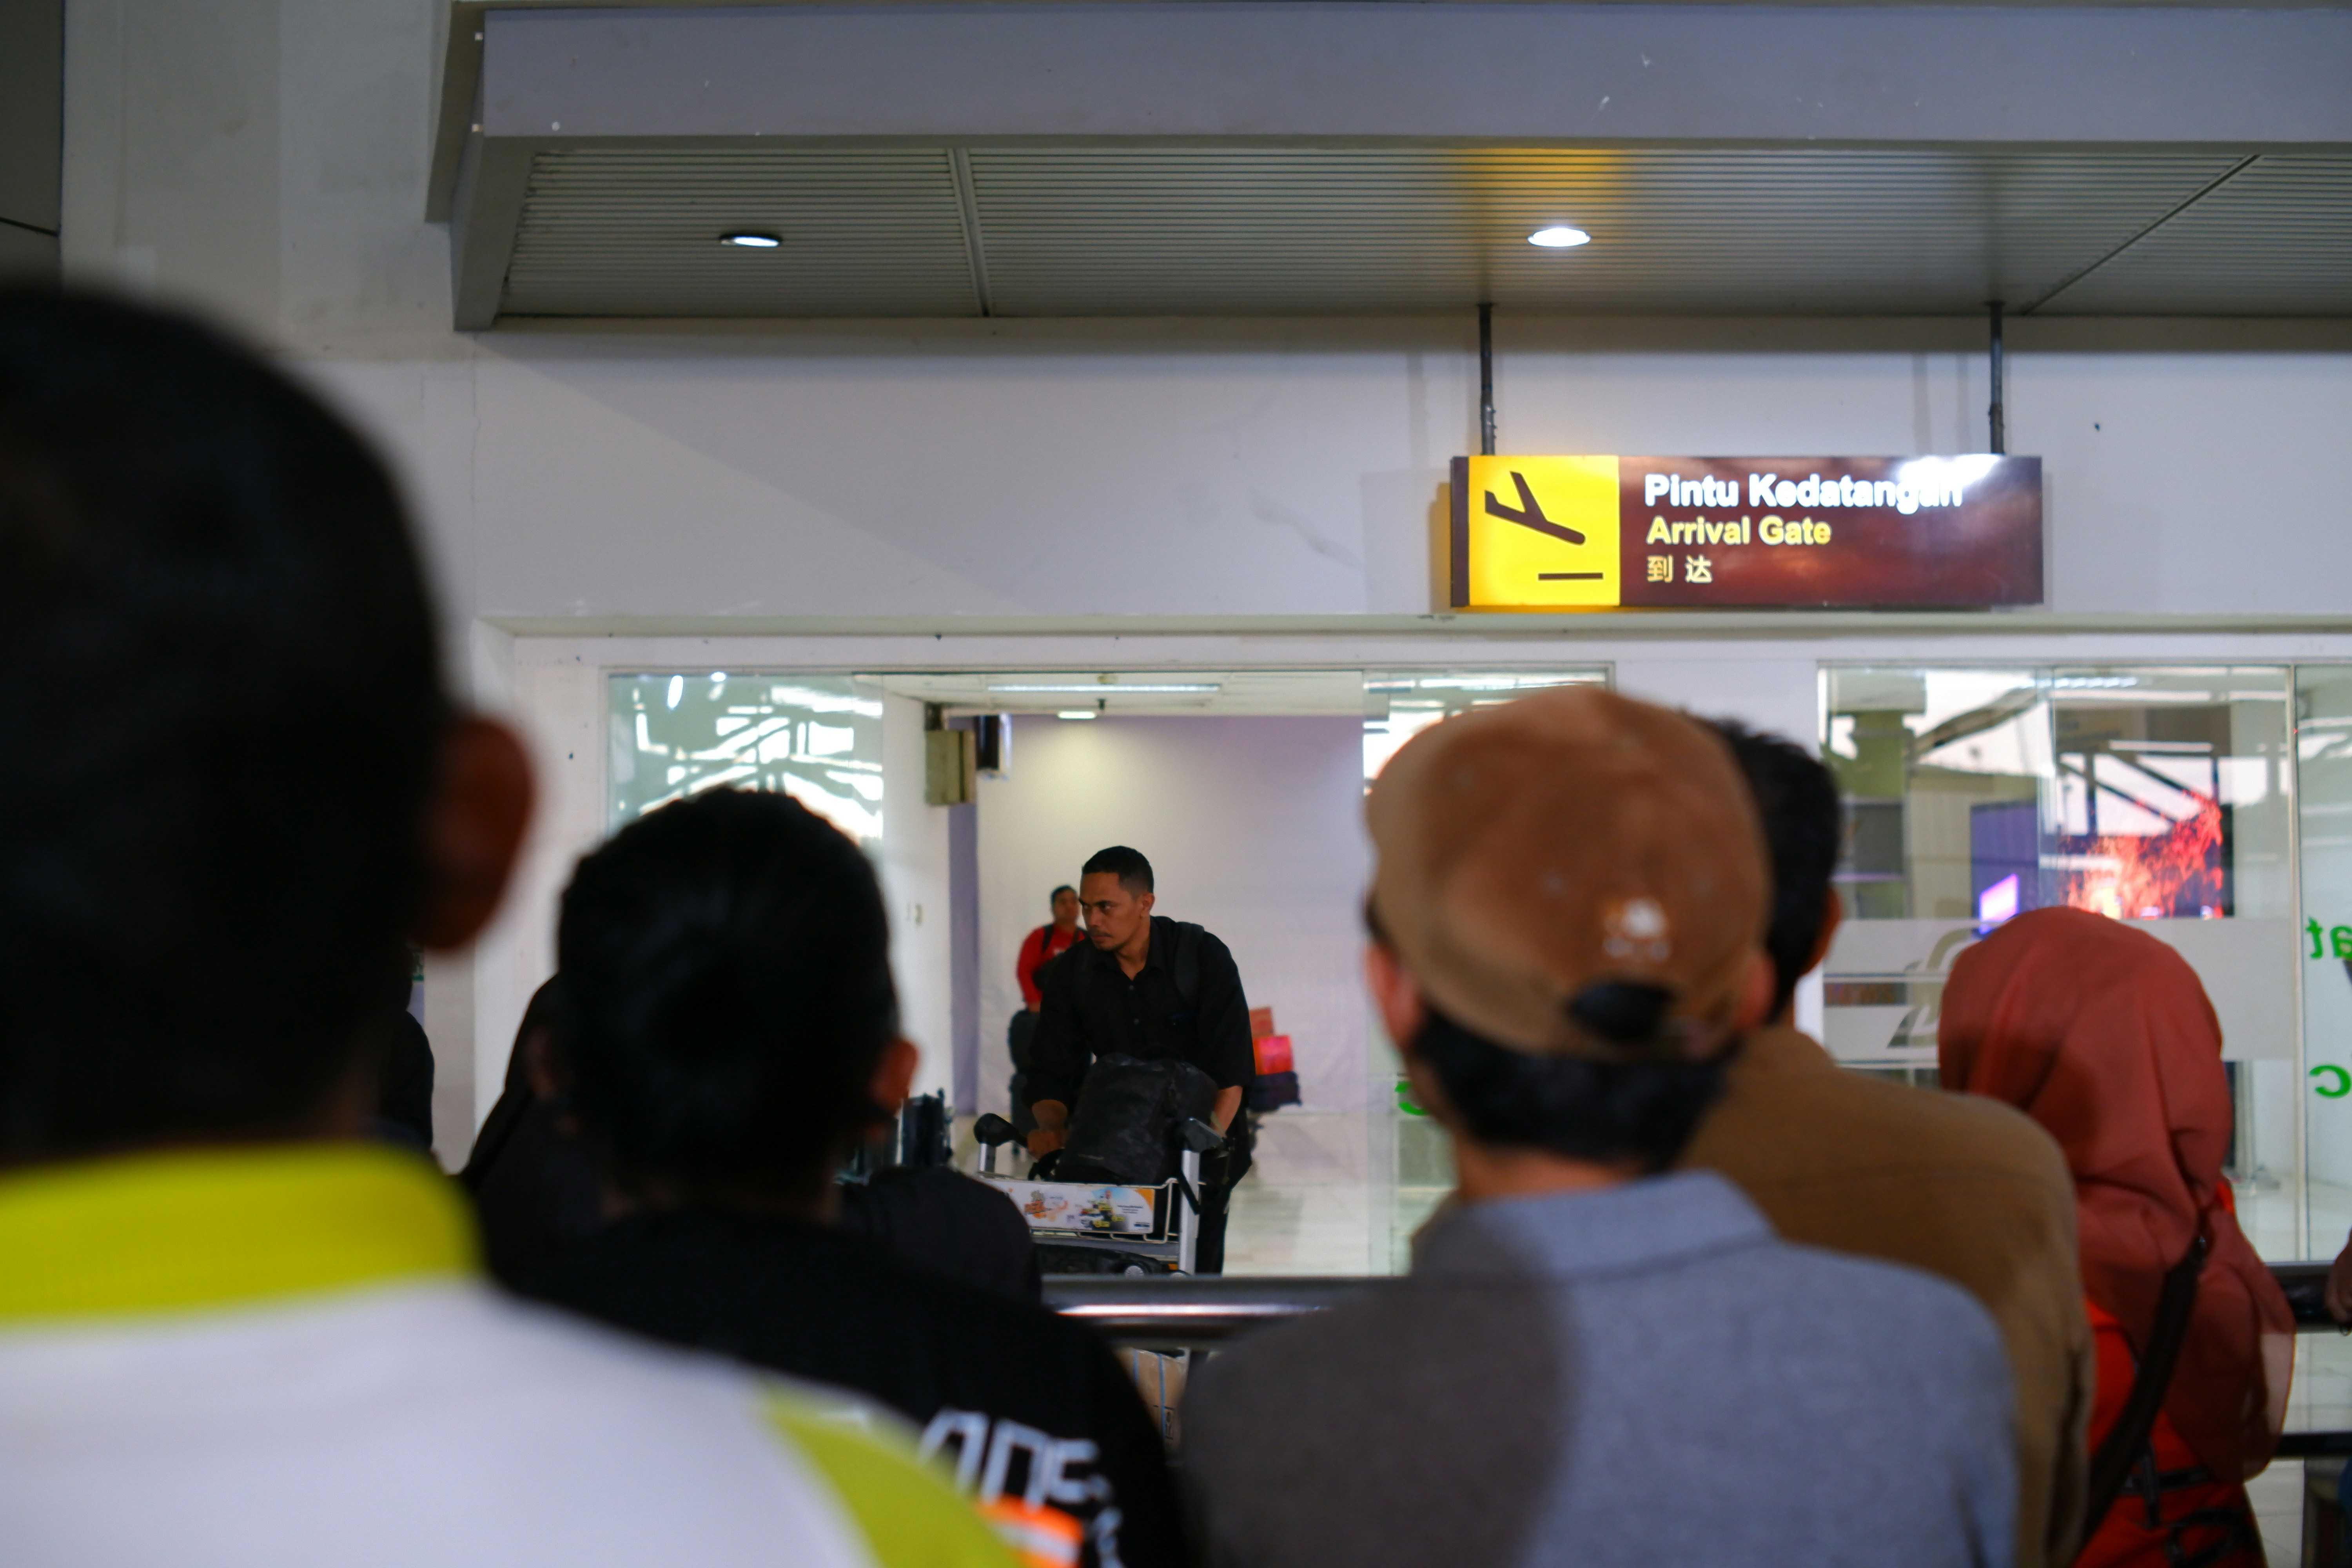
[(1558, 237), (750, 240), (1076, 713), (1096, 688)]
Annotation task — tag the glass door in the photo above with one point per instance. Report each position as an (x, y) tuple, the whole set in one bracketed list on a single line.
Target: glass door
[(2156, 795)]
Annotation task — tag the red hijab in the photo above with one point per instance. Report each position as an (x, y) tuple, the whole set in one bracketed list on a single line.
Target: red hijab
[(2102, 1034)]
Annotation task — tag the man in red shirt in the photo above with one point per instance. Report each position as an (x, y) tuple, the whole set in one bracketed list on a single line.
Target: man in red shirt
[(1047, 943), (1038, 948)]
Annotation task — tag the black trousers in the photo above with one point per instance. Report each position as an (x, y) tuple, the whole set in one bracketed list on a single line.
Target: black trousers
[(1220, 1175)]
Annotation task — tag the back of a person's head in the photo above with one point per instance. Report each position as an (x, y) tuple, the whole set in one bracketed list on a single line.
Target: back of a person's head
[(1574, 883), (727, 997), (1803, 827), (222, 714)]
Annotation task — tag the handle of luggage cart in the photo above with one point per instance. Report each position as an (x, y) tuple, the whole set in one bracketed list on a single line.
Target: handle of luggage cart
[(994, 1131), (1198, 1138)]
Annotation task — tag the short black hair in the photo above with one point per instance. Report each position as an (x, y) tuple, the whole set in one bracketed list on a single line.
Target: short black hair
[(1612, 1113), (1804, 826), (1057, 892), (1133, 871), (725, 997), (224, 706)]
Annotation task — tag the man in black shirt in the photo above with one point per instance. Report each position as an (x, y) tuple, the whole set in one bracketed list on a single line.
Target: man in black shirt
[(1146, 986), (727, 1032)]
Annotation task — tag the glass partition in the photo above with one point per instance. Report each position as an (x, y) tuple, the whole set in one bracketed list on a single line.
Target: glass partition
[(2162, 795), (817, 738), (2324, 764), (2212, 804)]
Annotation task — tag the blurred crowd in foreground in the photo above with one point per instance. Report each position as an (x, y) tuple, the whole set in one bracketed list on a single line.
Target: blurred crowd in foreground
[(1700, 1296)]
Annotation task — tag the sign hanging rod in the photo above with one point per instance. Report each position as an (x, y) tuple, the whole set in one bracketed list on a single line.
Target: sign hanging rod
[(1995, 414), (1485, 381)]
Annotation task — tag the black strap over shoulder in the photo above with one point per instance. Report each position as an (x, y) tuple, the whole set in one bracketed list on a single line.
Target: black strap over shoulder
[(1184, 960), (2111, 1465)]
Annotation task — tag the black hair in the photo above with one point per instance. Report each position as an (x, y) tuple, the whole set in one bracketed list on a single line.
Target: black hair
[(725, 997), (1133, 871), (1803, 826), (1612, 1113), (1057, 892), (223, 712)]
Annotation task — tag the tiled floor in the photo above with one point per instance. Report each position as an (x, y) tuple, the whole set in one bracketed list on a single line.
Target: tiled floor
[(1342, 1192), (2277, 1497), (1334, 1193), (2268, 1215)]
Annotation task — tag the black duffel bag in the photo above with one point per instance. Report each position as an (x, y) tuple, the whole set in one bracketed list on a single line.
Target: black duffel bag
[(1127, 1111)]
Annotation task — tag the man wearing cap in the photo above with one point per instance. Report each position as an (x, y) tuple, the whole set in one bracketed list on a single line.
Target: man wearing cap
[(1592, 1361)]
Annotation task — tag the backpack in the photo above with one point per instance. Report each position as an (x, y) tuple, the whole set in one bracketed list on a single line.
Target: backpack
[(1121, 1129), (1184, 961)]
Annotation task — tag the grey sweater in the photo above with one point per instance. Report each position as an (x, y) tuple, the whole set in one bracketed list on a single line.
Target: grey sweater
[(1642, 1374)]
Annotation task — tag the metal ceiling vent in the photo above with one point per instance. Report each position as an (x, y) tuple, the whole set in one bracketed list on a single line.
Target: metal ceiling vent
[(1239, 231)]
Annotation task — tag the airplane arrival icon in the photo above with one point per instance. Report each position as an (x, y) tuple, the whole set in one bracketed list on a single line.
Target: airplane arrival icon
[(1529, 513)]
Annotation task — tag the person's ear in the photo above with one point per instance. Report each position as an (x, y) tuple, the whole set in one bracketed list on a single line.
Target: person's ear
[(1403, 1011), (894, 1075), (473, 828), (540, 1068), (542, 1065), (1832, 917), (1143, 904), (1755, 996), (1396, 995)]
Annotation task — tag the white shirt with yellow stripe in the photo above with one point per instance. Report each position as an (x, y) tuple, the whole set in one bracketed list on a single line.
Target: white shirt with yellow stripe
[(282, 1356)]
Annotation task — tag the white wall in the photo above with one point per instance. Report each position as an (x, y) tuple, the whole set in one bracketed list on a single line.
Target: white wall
[(1253, 829), (1167, 468), (265, 159)]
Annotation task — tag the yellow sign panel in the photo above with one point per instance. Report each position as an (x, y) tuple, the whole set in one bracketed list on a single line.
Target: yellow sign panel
[(1541, 531)]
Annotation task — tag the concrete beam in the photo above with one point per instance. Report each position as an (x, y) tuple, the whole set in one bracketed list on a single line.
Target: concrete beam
[(484, 214), (1513, 72)]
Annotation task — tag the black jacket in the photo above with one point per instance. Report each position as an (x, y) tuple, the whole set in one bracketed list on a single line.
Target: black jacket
[(941, 1221), (1017, 1400), (1186, 1002), (533, 1186)]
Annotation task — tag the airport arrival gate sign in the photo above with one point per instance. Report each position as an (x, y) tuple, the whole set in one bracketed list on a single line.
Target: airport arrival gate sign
[(1594, 532)]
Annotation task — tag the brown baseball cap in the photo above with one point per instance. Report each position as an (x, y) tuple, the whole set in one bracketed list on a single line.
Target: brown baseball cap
[(1535, 851)]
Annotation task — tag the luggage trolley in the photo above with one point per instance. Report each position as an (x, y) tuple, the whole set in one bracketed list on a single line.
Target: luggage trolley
[(1148, 1228)]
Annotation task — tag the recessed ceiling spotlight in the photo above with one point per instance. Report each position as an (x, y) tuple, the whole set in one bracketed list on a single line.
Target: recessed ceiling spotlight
[(1558, 237), (750, 240)]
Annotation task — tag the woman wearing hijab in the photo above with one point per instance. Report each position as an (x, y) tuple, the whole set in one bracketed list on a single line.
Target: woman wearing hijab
[(2102, 1034)]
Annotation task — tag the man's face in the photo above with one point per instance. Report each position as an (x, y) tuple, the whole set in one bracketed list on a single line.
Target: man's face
[(1065, 907), (1113, 914)]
